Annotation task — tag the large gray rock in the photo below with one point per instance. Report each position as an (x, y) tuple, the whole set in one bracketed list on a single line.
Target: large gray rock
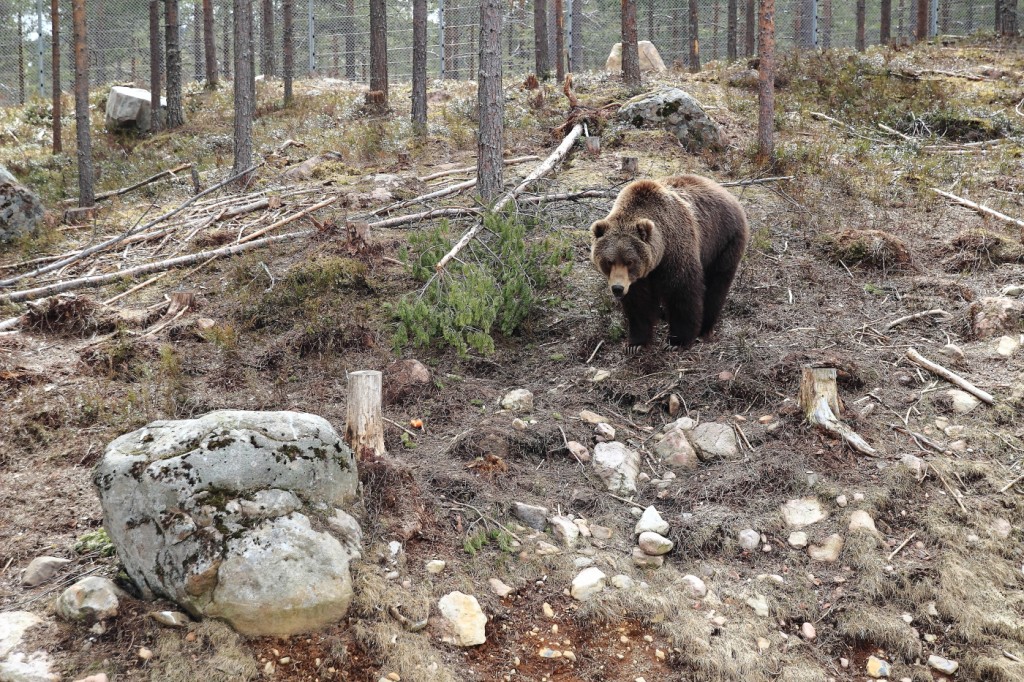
[(129, 108), (677, 112), (715, 441), (89, 600), (618, 466), (215, 514), (21, 211)]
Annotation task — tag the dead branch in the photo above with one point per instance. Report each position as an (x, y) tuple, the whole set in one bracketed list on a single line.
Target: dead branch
[(452, 189), (289, 219), (893, 131), (569, 94), (143, 183), (257, 205), (145, 269), (756, 181), (950, 376), (426, 215), (115, 240), (570, 196), (980, 208), (539, 172), (135, 288), (468, 169), (11, 323), (819, 399), (845, 126), (938, 312)]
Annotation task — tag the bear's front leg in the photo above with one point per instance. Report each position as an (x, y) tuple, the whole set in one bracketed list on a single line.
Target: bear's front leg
[(684, 318), (642, 310)]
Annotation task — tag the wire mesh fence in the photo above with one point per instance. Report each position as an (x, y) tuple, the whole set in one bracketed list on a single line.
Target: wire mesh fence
[(332, 37)]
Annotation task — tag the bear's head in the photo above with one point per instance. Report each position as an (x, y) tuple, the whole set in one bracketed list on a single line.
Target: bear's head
[(625, 252)]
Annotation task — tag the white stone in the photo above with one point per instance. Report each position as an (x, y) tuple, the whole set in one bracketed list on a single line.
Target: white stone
[(1007, 346), (129, 107), (714, 441), (564, 530), (650, 60), (651, 521), (617, 466), (798, 539), (499, 588), (547, 549), (952, 351), (33, 667), (841, 499), (600, 375), (622, 582), (750, 539), (829, 550), (518, 400), (1001, 528), (808, 632), (592, 418), (803, 512), (589, 582), (698, 589), (13, 626), (654, 544), (676, 111), (42, 569), (171, 619), (435, 566), (914, 464), (943, 665), (604, 432), (466, 620), (759, 604), (963, 402), (861, 520), (90, 599)]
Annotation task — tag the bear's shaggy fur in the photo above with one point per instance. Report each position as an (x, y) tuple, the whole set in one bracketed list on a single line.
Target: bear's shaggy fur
[(672, 245)]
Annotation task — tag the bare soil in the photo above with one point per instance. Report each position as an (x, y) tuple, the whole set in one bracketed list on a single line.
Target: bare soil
[(940, 559)]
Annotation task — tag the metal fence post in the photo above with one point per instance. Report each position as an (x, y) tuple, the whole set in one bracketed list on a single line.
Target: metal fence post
[(440, 25), (568, 31), (39, 47), (933, 18), (310, 36), (814, 23)]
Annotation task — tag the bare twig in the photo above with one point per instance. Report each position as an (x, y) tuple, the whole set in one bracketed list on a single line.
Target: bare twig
[(467, 169), (437, 194), (143, 183), (950, 376), (596, 348), (952, 491), (937, 312), (426, 215), (901, 546), (394, 423), (289, 219), (623, 499), (463, 505), (1011, 484), (135, 288), (980, 208)]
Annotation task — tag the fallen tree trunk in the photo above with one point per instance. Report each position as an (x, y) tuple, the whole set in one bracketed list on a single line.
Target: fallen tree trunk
[(453, 189), (950, 376), (539, 172), (819, 399), (142, 183), (468, 169), (289, 219), (980, 208)]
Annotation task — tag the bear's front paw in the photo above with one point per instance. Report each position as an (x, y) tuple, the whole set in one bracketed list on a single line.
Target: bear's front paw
[(633, 351)]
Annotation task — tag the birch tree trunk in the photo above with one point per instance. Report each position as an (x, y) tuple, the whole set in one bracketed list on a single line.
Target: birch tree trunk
[(175, 113), (288, 40), (540, 39), (210, 46), (86, 191), (245, 100), (491, 102), (630, 51), (419, 66), (58, 143), (766, 81)]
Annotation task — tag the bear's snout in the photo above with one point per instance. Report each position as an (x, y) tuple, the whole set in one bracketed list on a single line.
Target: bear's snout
[(618, 290)]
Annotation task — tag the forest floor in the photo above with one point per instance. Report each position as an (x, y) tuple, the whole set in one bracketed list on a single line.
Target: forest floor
[(941, 574)]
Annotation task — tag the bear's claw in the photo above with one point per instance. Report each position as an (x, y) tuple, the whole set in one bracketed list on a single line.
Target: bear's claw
[(633, 351)]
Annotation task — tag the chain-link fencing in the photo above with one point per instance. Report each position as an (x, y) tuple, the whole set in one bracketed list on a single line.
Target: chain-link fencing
[(331, 37)]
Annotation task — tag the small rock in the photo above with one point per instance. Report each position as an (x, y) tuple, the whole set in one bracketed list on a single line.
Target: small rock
[(589, 582), (844, 663), (1001, 528), (1013, 291), (435, 566), (90, 599), (171, 619), (592, 418), (500, 588), (654, 544), (533, 516), (760, 605), (578, 450), (564, 530), (583, 527), (930, 638), (995, 316), (98, 677), (618, 466), (798, 539), (622, 582), (763, 645), (808, 632), (1007, 346), (41, 569), (547, 549), (600, 375), (651, 521), (715, 441), (829, 550), (582, 562), (547, 652), (675, 450), (842, 501), (465, 618), (604, 432), (959, 446), (953, 351), (569, 656), (146, 653), (858, 497), (750, 539), (518, 424), (802, 512), (674, 405), (914, 464), (518, 400), (861, 520), (696, 586), (876, 667), (643, 560), (601, 532), (963, 402), (547, 610)]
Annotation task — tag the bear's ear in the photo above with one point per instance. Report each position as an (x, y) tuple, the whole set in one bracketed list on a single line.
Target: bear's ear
[(645, 227), (599, 228)]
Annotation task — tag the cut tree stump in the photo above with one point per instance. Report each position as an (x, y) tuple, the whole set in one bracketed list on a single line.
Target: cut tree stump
[(819, 399), (592, 144), (364, 423), (630, 165)]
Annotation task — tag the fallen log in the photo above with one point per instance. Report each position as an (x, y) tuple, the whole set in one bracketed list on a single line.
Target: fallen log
[(539, 172), (950, 376), (980, 208), (143, 183), (456, 212), (472, 169), (452, 189), (819, 399), (289, 219)]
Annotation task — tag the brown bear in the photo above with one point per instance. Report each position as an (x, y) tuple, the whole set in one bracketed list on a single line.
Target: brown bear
[(670, 246)]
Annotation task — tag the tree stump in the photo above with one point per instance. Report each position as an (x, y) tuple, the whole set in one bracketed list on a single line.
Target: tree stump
[(404, 159), (819, 399), (364, 424), (593, 144), (630, 165)]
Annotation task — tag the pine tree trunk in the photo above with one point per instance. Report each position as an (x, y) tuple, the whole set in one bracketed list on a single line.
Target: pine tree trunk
[(175, 113), (559, 40), (630, 52), (540, 39), (694, 38), (732, 20), (751, 28), (267, 34), (210, 47), (766, 81), (350, 40), (227, 33), (379, 52), (922, 20), (826, 24), (21, 59), (997, 12), (419, 66), (861, 21), (245, 100), (156, 52), (885, 29), (197, 41), (58, 142), (577, 35), (288, 38), (491, 102), (86, 191)]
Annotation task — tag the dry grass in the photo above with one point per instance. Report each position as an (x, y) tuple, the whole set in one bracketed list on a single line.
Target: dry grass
[(218, 654)]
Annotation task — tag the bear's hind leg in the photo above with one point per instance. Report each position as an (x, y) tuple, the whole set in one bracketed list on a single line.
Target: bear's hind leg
[(642, 310), (717, 281)]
